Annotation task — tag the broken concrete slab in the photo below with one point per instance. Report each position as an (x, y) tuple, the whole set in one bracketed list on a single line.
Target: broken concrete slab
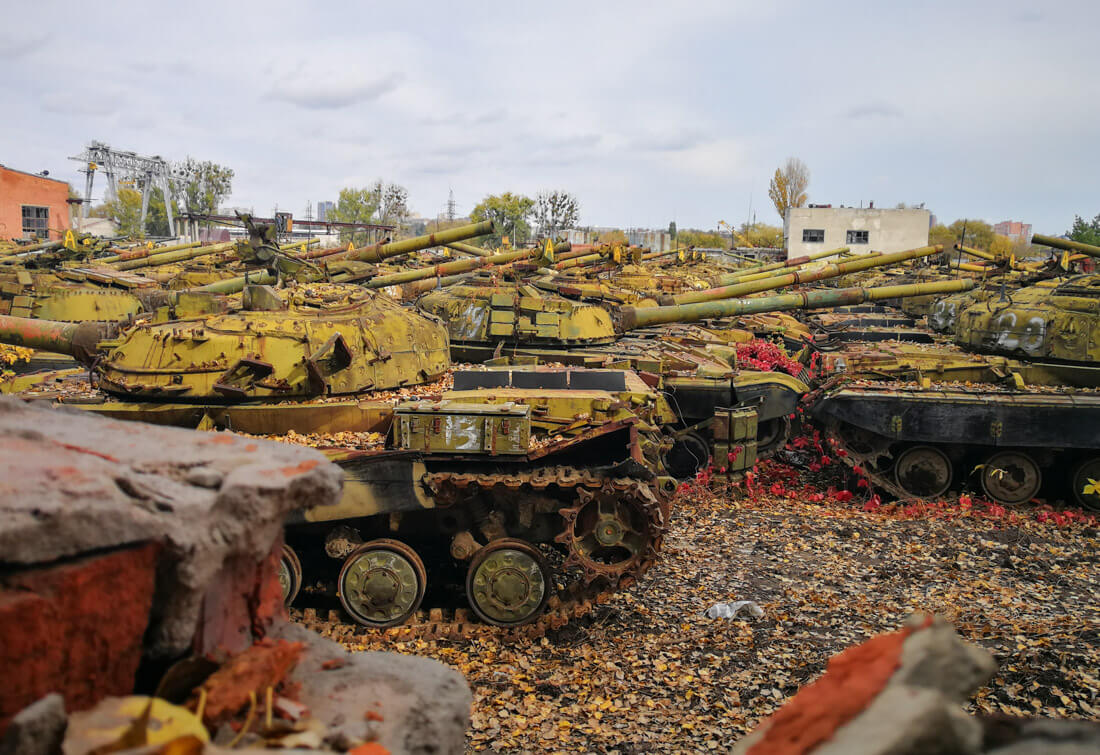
[(71, 483), (38, 729), (901, 693), (181, 531)]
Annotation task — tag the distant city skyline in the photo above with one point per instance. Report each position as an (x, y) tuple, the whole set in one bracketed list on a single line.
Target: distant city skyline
[(648, 113)]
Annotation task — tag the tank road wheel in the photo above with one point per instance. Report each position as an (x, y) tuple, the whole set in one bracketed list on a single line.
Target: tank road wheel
[(1085, 480), (1011, 477), (923, 471), (610, 533), (687, 456), (382, 583), (508, 583), (771, 435), (289, 572)]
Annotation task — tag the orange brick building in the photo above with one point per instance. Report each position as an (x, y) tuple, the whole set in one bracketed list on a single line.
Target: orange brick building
[(32, 205)]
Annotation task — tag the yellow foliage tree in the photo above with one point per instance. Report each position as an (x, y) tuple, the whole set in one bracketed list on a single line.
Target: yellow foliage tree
[(701, 239), (1003, 246), (788, 186), (759, 235)]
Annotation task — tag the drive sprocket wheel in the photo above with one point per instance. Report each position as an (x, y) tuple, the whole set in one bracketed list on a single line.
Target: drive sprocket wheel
[(612, 532)]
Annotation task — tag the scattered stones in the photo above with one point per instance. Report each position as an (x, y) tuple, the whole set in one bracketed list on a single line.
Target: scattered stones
[(38, 729)]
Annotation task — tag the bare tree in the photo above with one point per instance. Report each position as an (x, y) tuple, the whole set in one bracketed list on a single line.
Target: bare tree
[(555, 211), (788, 186)]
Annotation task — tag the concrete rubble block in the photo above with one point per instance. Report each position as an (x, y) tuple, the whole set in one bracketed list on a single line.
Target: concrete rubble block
[(901, 693), (75, 627), (71, 483), (409, 705), (937, 658), (38, 729), (906, 721), (121, 542)]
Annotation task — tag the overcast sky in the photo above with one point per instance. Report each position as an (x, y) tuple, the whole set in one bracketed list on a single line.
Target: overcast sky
[(648, 112)]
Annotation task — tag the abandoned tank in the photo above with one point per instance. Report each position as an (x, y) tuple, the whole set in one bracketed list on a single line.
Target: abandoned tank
[(1018, 393)]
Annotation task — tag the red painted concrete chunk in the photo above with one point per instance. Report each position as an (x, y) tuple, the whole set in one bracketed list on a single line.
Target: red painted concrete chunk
[(232, 687), (853, 679), (75, 628)]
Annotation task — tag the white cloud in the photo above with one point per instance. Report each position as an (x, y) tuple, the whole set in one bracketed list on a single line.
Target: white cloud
[(647, 111), (322, 94)]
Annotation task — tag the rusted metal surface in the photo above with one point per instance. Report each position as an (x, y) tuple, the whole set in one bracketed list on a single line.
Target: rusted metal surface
[(640, 317), (825, 272)]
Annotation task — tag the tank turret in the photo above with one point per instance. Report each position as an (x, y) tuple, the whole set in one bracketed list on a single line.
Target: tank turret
[(1050, 322), (294, 344)]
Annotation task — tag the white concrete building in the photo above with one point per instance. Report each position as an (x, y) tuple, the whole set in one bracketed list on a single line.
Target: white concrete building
[(817, 229)]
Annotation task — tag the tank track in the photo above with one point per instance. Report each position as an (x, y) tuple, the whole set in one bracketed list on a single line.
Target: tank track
[(573, 601), (870, 461)]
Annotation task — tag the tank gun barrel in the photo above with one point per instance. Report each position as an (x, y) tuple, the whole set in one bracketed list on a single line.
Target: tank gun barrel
[(1066, 245), (477, 251), (632, 318), (168, 258), (832, 270), (236, 285), (446, 269), (414, 289), (80, 340), (42, 246), (767, 267), (144, 251), (773, 273), (980, 254), (380, 252)]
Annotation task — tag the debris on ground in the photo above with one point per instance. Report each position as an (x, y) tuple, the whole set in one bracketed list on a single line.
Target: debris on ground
[(649, 672)]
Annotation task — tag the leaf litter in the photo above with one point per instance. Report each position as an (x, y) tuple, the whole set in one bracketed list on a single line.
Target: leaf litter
[(648, 672)]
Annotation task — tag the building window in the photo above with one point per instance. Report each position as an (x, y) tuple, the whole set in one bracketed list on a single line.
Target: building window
[(857, 237), (813, 235), (36, 221)]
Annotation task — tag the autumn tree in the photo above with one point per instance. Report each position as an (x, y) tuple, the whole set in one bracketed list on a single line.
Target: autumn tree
[(125, 210), (509, 213), (701, 239), (978, 234), (788, 186), (380, 204), (612, 236), (759, 235), (554, 211), (1085, 231), (200, 186), (156, 218)]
